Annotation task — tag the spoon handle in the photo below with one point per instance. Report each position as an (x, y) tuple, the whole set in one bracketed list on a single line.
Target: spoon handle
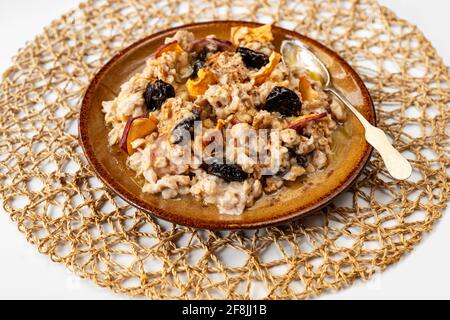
[(396, 164)]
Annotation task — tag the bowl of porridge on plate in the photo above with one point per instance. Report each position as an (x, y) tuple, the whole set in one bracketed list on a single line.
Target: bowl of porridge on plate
[(204, 125)]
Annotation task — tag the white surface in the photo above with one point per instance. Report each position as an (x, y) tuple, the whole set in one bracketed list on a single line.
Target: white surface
[(25, 274)]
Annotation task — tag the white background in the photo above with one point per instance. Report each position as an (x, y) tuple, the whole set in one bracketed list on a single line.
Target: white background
[(26, 274)]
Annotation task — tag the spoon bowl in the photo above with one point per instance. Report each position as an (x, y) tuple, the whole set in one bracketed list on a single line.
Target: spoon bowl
[(296, 53)]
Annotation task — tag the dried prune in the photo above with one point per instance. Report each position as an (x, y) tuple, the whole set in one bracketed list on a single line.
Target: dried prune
[(302, 160), (203, 47), (213, 44), (283, 171), (203, 54), (199, 63), (185, 125), (253, 59), (284, 101), (157, 93), (228, 172)]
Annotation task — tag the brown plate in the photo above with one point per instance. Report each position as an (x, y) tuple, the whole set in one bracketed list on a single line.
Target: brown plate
[(298, 199)]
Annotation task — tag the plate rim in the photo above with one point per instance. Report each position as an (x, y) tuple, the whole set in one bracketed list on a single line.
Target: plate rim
[(217, 225)]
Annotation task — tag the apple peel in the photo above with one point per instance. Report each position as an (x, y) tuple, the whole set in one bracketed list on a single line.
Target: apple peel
[(135, 128), (302, 120)]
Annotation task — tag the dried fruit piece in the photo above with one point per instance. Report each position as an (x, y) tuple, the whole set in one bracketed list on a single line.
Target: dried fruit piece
[(211, 44), (199, 62), (284, 101), (198, 86), (205, 46), (123, 139), (253, 59), (184, 126), (302, 120), (135, 128), (283, 170), (259, 34), (168, 47), (302, 160), (306, 90), (157, 93), (263, 73), (228, 172)]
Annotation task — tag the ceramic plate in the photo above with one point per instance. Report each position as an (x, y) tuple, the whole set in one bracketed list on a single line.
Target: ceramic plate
[(296, 200)]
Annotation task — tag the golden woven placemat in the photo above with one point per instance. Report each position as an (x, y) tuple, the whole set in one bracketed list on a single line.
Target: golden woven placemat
[(51, 193)]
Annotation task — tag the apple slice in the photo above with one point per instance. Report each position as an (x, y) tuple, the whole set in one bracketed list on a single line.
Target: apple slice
[(123, 139), (135, 128), (168, 47), (205, 78), (266, 71), (302, 120), (306, 90), (259, 34)]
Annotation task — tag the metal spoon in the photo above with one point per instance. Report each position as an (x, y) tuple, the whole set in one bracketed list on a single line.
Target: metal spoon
[(297, 53)]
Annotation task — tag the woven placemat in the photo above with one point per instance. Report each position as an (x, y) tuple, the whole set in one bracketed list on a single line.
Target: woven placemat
[(51, 193)]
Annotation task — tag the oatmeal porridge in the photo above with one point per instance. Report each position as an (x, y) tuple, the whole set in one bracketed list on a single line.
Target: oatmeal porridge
[(224, 121)]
